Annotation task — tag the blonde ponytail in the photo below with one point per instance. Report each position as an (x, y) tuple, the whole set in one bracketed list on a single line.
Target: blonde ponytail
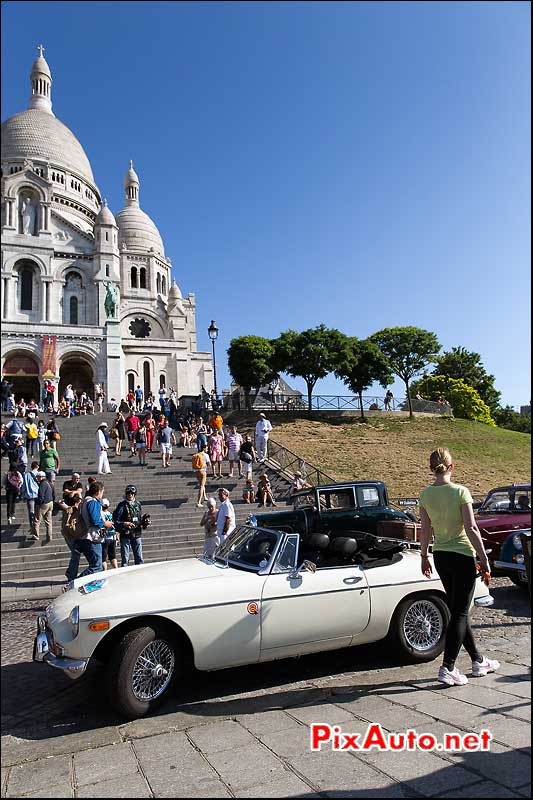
[(440, 460)]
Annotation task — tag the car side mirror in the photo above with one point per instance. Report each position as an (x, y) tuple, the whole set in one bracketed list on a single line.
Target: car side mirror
[(305, 566)]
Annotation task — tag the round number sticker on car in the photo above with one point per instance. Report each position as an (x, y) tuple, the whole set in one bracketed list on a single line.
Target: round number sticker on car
[(252, 608)]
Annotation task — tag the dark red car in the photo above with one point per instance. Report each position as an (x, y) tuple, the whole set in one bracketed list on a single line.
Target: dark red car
[(503, 511)]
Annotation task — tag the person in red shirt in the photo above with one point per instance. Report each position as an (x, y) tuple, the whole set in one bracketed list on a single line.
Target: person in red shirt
[(132, 423), (130, 397)]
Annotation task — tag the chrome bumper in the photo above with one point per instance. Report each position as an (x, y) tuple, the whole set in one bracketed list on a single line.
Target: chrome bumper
[(42, 652), (486, 600)]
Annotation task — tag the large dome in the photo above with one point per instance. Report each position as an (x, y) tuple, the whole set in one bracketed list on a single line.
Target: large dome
[(137, 231), (38, 135)]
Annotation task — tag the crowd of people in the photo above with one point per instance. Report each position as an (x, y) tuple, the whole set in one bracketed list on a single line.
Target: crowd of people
[(142, 428)]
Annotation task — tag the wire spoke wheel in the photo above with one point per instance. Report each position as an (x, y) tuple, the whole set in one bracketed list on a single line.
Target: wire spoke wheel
[(423, 625), (153, 670)]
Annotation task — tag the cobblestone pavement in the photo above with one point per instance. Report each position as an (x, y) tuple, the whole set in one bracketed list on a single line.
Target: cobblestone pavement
[(244, 732)]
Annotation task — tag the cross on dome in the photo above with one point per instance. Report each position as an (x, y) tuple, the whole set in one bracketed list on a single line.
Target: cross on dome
[(40, 48)]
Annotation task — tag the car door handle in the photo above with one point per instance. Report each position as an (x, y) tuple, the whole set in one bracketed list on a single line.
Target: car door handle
[(353, 579)]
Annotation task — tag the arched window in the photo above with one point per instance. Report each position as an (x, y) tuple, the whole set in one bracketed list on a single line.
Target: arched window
[(146, 377), (162, 381), (26, 289), (107, 270), (158, 282), (163, 284), (134, 277), (107, 236), (73, 300), (131, 382), (73, 310), (142, 278)]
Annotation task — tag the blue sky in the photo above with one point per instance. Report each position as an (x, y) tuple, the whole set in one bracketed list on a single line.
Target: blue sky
[(358, 164)]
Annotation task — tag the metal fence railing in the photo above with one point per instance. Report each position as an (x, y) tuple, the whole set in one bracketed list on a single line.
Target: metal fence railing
[(286, 462), (330, 402)]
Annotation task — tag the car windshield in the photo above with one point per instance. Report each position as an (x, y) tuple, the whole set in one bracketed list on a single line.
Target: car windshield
[(249, 547), (304, 500), (507, 500)]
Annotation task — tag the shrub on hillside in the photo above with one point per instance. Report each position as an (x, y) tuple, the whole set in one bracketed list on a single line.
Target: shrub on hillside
[(465, 401)]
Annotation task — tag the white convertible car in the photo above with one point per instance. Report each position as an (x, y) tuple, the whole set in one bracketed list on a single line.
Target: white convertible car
[(266, 595)]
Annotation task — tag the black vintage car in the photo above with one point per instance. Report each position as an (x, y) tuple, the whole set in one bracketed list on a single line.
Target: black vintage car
[(356, 506)]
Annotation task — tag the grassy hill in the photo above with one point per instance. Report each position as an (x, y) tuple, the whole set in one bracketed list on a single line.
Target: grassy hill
[(397, 450)]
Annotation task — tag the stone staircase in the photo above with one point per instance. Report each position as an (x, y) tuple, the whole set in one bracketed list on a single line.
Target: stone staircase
[(168, 495)]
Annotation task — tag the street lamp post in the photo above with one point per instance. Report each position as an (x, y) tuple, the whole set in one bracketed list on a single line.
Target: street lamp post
[(213, 335)]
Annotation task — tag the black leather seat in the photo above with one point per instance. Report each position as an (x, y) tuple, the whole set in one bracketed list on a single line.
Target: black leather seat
[(313, 547), (341, 551)]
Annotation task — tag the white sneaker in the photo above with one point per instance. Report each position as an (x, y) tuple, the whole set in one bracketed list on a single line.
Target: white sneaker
[(481, 668), (451, 677)]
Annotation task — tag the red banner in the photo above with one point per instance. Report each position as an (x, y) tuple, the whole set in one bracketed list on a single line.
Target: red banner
[(49, 363)]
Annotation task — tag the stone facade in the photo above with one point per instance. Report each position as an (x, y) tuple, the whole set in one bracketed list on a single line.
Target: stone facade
[(66, 262)]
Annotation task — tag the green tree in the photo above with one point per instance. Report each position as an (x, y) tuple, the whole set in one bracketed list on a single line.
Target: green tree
[(465, 365), (409, 350), (250, 363), (311, 354), (360, 364), (464, 400), (509, 418)]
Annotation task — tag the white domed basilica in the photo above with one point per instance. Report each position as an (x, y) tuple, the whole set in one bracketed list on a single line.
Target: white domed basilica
[(87, 297)]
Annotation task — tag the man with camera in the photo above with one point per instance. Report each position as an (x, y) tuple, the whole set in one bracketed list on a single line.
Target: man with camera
[(130, 522)]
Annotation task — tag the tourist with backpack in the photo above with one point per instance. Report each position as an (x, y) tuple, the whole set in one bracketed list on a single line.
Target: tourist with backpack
[(14, 430), (87, 525), (12, 484), (44, 504), (128, 522), (200, 462), (141, 437), (32, 437)]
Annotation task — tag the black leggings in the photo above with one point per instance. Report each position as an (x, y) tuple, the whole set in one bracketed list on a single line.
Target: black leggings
[(458, 575)]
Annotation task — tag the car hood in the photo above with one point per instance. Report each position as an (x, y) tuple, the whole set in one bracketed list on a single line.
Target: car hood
[(153, 588), (494, 521)]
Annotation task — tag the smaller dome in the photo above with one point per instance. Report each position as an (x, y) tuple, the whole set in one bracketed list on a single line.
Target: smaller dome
[(174, 292), (105, 217), (131, 176), (40, 67), (137, 231)]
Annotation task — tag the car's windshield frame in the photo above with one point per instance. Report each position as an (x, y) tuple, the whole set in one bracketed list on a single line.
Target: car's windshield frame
[(222, 555), (509, 494)]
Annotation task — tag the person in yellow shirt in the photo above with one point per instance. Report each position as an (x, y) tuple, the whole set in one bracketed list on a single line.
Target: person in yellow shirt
[(446, 509)]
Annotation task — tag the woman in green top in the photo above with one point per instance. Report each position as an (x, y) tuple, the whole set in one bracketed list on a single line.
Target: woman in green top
[(446, 508)]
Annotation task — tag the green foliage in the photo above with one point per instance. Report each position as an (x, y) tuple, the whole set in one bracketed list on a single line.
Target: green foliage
[(360, 364), (509, 418), (464, 365), (250, 362), (311, 354), (464, 400), (409, 350)]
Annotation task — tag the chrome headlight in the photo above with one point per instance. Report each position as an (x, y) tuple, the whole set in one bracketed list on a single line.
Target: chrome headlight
[(517, 541), (74, 619)]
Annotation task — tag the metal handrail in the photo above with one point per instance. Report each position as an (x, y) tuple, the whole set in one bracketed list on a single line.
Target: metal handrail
[(286, 462), (334, 402)]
